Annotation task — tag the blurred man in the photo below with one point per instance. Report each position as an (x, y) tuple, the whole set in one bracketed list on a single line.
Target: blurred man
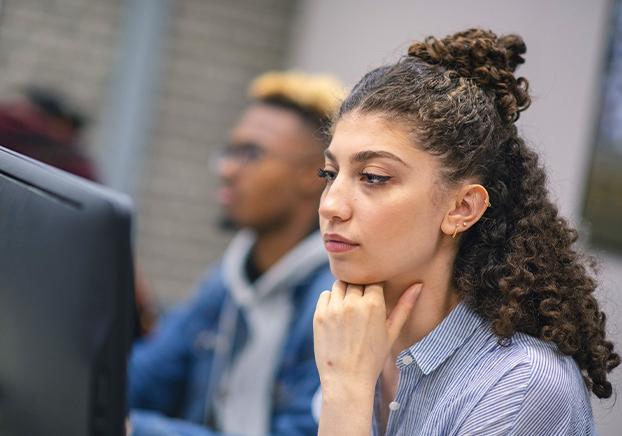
[(238, 358)]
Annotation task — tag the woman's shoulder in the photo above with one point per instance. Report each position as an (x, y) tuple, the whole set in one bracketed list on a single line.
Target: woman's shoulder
[(528, 366), (536, 365), (525, 365), (556, 395), (547, 366), (534, 389), (551, 380), (539, 361)]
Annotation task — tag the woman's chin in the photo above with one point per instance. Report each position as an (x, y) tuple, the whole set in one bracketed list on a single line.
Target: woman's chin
[(355, 276)]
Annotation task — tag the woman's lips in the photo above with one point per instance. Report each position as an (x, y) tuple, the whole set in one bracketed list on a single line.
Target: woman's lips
[(338, 244)]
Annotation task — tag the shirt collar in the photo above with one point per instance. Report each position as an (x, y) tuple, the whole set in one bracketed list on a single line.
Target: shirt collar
[(438, 345)]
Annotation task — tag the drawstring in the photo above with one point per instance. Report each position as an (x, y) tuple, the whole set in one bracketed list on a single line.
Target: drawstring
[(222, 354)]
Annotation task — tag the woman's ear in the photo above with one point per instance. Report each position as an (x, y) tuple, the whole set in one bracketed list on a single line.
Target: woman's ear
[(469, 204)]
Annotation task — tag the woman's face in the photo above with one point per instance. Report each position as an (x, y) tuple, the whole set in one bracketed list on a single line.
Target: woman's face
[(382, 208)]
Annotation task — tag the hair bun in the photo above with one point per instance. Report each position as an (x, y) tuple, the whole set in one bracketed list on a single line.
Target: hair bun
[(514, 49), (489, 60)]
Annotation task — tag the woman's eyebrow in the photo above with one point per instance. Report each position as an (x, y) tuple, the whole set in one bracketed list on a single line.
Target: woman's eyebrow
[(366, 155)]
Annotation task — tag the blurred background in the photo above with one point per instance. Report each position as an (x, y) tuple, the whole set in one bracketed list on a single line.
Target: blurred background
[(140, 94)]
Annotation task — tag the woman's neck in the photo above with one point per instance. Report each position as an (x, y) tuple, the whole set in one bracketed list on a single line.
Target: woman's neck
[(437, 299)]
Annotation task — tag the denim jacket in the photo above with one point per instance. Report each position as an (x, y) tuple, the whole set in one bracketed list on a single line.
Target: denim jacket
[(169, 372)]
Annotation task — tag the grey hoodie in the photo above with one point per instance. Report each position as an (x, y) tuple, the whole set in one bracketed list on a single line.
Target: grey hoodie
[(266, 305)]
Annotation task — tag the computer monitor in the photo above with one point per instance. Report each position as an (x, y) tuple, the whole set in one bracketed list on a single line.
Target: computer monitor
[(66, 296)]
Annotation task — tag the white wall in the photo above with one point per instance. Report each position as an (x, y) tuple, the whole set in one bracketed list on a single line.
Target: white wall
[(565, 47)]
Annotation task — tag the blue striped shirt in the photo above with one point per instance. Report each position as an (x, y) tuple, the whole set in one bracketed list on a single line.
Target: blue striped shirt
[(458, 380)]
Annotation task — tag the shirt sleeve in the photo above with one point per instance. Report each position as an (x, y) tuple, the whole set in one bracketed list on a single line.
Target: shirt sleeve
[(556, 401), (496, 413)]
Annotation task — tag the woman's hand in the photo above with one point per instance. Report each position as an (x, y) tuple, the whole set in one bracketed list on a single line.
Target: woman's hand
[(353, 337)]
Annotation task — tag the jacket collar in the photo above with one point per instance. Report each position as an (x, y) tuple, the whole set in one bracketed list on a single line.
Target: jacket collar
[(281, 277)]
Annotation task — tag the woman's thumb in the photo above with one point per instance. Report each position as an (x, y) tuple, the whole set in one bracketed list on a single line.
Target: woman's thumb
[(402, 309)]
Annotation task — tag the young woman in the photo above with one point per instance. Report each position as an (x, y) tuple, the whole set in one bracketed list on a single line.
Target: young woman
[(461, 307)]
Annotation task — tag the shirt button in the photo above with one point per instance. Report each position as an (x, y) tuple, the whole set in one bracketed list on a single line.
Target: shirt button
[(407, 360), (504, 342), (394, 405)]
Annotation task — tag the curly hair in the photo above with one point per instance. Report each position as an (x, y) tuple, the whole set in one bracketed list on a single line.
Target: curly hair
[(516, 266)]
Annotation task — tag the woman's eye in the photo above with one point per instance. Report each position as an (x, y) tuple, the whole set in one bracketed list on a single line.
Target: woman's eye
[(374, 179), (327, 175)]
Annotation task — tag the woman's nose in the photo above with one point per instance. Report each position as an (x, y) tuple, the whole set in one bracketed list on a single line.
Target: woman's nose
[(335, 202)]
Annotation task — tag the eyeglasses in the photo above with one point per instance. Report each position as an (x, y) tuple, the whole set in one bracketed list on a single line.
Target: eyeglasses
[(243, 154), (249, 153)]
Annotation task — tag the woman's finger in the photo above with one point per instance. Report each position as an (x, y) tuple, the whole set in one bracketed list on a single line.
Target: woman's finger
[(375, 292), (354, 291), (323, 300), (401, 311), (338, 292)]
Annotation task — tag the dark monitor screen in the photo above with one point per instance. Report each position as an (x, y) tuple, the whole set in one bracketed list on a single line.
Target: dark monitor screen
[(66, 294)]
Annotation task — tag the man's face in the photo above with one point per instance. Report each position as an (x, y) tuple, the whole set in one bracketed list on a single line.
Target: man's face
[(262, 170)]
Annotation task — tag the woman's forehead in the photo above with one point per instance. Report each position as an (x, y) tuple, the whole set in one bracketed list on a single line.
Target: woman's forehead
[(358, 133)]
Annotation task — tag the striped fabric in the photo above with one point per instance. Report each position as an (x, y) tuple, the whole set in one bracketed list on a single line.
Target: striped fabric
[(459, 380)]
